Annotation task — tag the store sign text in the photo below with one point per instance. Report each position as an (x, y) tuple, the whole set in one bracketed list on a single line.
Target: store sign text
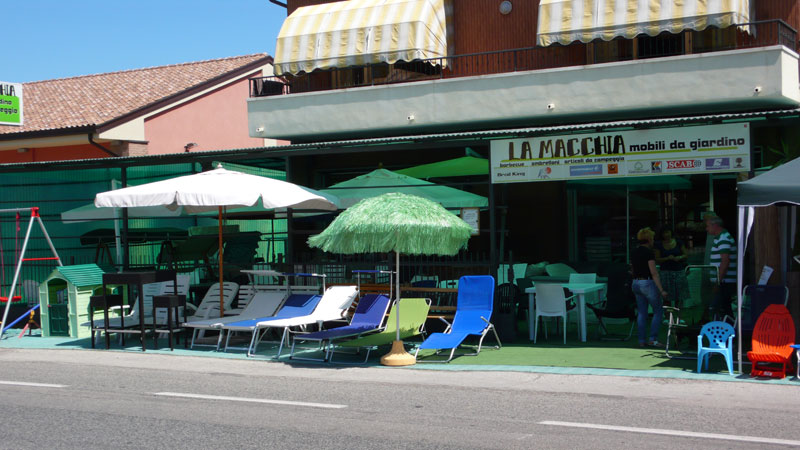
[(10, 103), (627, 153)]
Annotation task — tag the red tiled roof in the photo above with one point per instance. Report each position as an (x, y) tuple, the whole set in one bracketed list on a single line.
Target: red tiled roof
[(97, 99)]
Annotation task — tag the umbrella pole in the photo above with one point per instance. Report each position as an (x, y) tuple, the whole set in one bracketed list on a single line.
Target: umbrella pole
[(221, 297), (398, 356)]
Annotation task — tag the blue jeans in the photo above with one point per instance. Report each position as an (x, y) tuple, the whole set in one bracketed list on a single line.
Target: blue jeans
[(647, 295)]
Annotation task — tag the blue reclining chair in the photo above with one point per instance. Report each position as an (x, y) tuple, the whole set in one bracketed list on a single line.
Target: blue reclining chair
[(473, 312), (294, 306), (368, 317)]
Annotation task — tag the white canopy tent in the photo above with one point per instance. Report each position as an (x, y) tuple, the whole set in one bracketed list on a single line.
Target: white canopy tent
[(779, 186)]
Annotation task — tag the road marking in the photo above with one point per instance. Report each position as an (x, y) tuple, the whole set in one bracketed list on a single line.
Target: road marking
[(250, 400), (726, 437), (24, 383)]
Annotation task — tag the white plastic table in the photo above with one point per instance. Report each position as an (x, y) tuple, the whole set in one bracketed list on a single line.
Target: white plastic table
[(579, 289)]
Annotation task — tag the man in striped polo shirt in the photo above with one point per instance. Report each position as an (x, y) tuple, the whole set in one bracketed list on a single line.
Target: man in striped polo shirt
[(723, 256)]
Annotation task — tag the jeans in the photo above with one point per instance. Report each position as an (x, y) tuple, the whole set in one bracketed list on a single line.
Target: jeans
[(647, 295)]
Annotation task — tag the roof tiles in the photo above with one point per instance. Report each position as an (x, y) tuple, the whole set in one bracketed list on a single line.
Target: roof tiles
[(97, 99)]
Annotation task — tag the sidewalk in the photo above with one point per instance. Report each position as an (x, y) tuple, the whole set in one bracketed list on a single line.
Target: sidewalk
[(576, 358)]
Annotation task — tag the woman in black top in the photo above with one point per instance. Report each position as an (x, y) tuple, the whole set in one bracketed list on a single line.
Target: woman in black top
[(647, 288), (671, 255)]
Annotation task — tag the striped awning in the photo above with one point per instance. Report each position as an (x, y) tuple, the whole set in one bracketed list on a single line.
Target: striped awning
[(360, 32), (566, 21)]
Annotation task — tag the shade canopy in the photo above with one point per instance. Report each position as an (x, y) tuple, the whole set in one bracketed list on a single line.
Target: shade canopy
[(381, 181), (394, 222), (566, 21), (779, 185), (215, 189), (206, 191), (458, 167), (90, 212), (360, 32)]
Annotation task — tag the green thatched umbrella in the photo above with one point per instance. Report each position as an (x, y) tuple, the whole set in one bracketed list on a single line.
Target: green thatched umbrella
[(397, 223)]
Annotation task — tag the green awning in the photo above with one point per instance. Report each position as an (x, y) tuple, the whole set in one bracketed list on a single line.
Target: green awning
[(459, 167), (382, 181)]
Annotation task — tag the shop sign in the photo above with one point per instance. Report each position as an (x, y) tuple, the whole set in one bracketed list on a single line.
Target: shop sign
[(663, 151), (10, 103)]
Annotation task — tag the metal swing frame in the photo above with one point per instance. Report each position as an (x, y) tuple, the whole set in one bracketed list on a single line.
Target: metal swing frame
[(34, 211)]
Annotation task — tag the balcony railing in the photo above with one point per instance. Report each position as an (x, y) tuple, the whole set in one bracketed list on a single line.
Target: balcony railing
[(749, 35)]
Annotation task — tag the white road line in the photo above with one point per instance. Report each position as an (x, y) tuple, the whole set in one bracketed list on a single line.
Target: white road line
[(726, 437), (24, 383), (249, 400)]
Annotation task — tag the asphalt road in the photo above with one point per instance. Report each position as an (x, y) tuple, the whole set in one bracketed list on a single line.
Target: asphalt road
[(99, 399)]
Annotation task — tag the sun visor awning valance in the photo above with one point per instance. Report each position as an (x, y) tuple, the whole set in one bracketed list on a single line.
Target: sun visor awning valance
[(360, 32), (566, 21)]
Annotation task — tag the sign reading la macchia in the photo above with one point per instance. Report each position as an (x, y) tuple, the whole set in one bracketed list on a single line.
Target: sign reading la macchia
[(10, 103), (663, 151)]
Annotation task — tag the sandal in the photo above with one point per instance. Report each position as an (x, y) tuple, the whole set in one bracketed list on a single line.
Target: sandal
[(656, 344)]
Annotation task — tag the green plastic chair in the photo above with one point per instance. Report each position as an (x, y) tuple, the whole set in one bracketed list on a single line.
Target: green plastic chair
[(413, 313)]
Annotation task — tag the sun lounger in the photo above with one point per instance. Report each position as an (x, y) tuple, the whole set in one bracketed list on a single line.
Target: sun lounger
[(209, 305), (264, 303), (473, 312), (413, 313), (296, 305), (368, 317), (332, 306)]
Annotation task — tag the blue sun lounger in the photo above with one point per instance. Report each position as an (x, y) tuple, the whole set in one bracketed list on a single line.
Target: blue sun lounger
[(473, 312), (367, 318), (296, 305)]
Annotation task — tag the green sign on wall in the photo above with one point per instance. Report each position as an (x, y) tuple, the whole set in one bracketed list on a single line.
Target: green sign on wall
[(10, 103)]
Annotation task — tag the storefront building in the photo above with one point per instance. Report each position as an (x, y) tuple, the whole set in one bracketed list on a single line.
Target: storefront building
[(595, 123)]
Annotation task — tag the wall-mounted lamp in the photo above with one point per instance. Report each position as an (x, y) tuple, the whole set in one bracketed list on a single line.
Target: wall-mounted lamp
[(189, 146), (505, 7), (551, 106), (757, 89)]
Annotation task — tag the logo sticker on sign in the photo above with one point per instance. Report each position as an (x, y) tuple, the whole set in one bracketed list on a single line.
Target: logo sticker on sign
[(718, 163), (684, 164)]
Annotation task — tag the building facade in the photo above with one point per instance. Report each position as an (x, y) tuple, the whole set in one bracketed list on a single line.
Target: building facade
[(595, 123), (153, 111)]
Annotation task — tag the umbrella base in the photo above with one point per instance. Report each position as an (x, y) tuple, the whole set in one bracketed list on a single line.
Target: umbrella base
[(398, 356)]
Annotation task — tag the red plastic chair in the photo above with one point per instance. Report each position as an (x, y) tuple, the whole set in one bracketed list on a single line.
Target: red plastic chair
[(773, 336)]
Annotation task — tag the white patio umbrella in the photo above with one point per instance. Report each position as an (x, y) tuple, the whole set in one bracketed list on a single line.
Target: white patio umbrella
[(214, 190)]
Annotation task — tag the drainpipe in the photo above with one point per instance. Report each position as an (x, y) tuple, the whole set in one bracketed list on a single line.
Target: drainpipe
[(276, 2), (91, 141)]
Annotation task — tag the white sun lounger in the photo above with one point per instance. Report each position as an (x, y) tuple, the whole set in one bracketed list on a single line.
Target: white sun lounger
[(333, 306), (210, 303), (264, 303)]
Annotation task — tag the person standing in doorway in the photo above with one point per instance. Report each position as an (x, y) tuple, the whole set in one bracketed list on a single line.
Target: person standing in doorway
[(671, 255), (723, 256), (647, 288)]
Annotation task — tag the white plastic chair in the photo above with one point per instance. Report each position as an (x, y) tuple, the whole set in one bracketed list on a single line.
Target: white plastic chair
[(210, 302), (592, 297), (550, 302)]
